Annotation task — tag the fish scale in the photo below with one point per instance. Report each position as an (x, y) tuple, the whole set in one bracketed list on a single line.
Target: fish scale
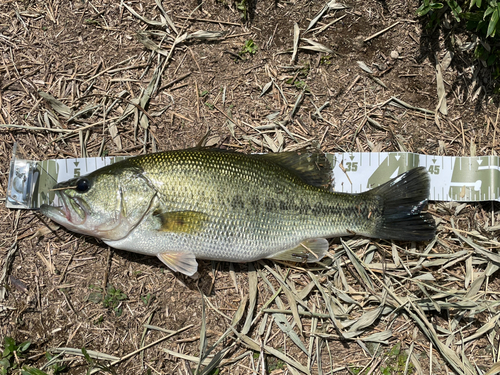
[(249, 231), (212, 204)]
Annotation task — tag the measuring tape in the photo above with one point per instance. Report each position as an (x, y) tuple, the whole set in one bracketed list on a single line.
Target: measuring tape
[(463, 179), (453, 178)]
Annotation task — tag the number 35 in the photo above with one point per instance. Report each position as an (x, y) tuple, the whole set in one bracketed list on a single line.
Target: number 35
[(351, 166)]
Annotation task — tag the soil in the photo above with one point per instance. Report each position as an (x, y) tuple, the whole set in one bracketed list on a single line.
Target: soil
[(65, 290)]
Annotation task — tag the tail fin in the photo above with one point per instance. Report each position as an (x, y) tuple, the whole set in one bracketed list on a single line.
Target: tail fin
[(403, 199)]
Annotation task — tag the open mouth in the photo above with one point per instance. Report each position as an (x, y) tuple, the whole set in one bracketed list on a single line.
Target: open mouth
[(69, 209), (78, 208)]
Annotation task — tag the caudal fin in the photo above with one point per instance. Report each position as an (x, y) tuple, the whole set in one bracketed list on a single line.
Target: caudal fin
[(403, 199)]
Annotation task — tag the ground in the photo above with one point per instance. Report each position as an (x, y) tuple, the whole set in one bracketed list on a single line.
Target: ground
[(144, 90)]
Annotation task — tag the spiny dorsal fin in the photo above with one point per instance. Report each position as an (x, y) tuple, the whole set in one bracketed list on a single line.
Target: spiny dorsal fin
[(181, 221), (308, 251), (311, 167), (202, 142)]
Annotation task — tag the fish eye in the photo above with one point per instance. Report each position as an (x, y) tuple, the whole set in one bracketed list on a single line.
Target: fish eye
[(82, 185)]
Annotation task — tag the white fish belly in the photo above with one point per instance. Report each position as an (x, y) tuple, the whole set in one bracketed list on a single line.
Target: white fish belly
[(221, 249)]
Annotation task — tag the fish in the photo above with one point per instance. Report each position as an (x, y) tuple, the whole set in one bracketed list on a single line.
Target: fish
[(214, 204)]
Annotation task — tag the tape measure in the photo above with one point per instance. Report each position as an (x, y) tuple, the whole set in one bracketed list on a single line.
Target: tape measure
[(463, 179), (453, 178)]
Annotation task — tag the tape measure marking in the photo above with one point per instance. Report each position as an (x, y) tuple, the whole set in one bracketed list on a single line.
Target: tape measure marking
[(465, 179)]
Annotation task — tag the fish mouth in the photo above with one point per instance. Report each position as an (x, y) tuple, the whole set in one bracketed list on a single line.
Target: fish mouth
[(76, 214), (71, 212)]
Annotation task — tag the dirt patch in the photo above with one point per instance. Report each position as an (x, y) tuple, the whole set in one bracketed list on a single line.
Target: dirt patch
[(70, 291)]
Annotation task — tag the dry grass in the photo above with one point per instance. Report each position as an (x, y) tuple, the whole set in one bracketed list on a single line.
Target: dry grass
[(90, 78)]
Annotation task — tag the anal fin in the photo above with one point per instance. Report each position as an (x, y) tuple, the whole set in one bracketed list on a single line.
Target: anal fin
[(183, 262), (308, 251)]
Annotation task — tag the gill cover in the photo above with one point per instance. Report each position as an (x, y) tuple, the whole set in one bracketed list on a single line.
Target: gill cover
[(134, 197)]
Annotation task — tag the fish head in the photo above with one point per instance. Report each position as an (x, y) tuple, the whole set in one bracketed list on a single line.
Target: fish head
[(108, 203)]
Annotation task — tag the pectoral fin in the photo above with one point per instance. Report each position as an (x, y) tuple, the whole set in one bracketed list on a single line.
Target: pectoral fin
[(181, 221), (183, 262), (309, 251)]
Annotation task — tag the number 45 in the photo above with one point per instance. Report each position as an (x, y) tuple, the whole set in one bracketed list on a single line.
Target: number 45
[(434, 169)]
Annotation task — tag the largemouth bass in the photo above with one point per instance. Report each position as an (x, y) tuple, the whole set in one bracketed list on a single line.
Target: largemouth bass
[(226, 206)]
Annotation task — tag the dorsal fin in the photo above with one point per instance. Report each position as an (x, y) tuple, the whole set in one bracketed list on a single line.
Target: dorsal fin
[(311, 167), (202, 142)]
